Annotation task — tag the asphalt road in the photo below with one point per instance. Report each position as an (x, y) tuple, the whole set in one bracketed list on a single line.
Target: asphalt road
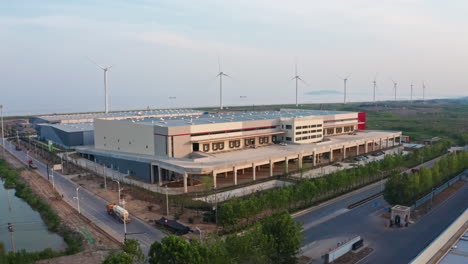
[(333, 223), (94, 207)]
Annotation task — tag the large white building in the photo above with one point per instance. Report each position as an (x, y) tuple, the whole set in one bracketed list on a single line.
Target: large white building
[(235, 145)]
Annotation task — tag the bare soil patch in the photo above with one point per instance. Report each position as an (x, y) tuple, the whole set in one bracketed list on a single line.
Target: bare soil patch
[(353, 257)]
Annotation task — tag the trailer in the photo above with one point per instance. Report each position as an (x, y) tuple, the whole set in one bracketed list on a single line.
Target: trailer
[(118, 213)]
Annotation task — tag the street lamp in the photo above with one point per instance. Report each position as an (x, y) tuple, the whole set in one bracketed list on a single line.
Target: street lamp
[(3, 133), (199, 231), (167, 203), (118, 184), (52, 175), (78, 199)]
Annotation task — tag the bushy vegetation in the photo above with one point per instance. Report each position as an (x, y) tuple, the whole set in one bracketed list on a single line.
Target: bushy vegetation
[(131, 253), (73, 239), (405, 189), (238, 212), (276, 239)]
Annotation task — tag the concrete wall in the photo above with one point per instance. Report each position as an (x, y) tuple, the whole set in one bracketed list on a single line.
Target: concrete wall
[(441, 240), (296, 127), (135, 169), (63, 138)]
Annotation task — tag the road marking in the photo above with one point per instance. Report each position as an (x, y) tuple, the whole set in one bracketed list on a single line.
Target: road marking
[(325, 218)]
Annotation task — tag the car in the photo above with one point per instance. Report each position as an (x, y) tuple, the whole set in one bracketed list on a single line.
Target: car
[(359, 158), (18, 148), (375, 154), (283, 144)]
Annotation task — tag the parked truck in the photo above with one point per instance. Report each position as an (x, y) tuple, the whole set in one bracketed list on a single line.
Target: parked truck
[(118, 213)]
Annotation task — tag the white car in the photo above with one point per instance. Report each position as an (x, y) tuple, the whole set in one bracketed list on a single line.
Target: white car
[(283, 144)]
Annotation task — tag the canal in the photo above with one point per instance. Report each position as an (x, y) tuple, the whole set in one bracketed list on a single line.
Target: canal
[(30, 232)]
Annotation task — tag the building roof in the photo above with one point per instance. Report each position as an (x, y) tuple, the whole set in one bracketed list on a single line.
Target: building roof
[(57, 118), (227, 117), (72, 127), (458, 254)]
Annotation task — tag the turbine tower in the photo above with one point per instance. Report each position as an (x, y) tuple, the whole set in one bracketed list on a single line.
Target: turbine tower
[(297, 78), (375, 85), (220, 75), (105, 69), (424, 91), (411, 95), (345, 80), (394, 87)]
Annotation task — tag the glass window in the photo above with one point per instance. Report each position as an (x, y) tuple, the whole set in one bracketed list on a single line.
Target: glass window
[(288, 127), (298, 127), (288, 139), (206, 147)]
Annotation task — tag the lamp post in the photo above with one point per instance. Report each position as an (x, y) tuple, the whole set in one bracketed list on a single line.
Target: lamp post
[(3, 133), (52, 175), (118, 185), (78, 199), (167, 203)]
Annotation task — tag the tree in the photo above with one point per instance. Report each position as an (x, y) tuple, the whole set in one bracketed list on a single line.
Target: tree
[(285, 236), (132, 248), (176, 250), (121, 258)]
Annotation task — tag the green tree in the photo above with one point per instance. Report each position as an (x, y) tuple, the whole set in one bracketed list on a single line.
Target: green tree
[(121, 258), (132, 248), (285, 236), (176, 250)]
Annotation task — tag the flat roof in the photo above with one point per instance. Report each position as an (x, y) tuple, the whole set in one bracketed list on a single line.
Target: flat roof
[(458, 254), (227, 117), (72, 127), (54, 118)]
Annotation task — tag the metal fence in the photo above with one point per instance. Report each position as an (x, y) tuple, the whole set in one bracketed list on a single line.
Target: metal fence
[(428, 197)]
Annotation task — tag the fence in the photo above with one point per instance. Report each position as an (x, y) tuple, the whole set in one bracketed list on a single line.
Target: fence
[(439, 189)]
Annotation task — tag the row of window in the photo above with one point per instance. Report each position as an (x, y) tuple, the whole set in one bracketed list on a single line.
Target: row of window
[(308, 131), (310, 126), (308, 137), (234, 143)]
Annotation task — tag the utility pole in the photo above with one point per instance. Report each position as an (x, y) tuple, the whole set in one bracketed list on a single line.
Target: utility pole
[(78, 199), (11, 230), (118, 184), (167, 203), (9, 200), (105, 176), (3, 133)]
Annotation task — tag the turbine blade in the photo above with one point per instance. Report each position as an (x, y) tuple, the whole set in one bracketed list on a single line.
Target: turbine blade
[(226, 75), (94, 62), (303, 81)]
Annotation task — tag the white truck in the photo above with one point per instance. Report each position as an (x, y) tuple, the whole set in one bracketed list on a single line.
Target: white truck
[(118, 213)]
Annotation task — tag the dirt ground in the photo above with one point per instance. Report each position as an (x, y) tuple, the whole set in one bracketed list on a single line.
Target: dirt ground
[(138, 202), (94, 251), (353, 257)]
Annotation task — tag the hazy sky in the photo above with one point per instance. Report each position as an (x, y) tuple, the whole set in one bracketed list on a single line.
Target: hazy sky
[(163, 48)]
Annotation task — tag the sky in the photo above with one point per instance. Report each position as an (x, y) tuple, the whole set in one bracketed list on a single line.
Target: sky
[(163, 49)]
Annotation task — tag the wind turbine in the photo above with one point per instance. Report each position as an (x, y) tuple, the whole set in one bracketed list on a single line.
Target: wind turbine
[(105, 69), (394, 87), (297, 78), (220, 75), (345, 80), (424, 91), (411, 95), (375, 85)]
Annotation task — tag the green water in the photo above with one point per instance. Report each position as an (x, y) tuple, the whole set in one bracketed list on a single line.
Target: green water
[(30, 232)]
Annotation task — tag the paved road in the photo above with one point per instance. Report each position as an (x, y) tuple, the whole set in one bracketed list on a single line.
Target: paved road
[(94, 207), (332, 222)]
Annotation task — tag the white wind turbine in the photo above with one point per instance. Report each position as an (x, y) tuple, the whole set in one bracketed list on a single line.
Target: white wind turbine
[(297, 78), (345, 81), (105, 69), (375, 85), (394, 87), (424, 91), (411, 95), (220, 75)]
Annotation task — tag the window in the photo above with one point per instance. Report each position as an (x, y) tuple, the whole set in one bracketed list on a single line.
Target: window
[(330, 131), (218, 146), (249, 141), (319, 130), (305, 127), (298, 133), (288, 139), (206, 147), (298, 139), (234, 143), (319, 135), (313, 126), (263, 140), (288, 127), (146, 146), (298, 127), (260, 140), (304, 138), (319, 125), (339, 130)]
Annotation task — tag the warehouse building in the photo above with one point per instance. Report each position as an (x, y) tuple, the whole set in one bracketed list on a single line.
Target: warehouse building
[(74, 130), (184, 148)]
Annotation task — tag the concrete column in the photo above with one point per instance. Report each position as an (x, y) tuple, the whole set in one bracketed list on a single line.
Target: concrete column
[(185, 182), (225, 175), (253, 171), (214, 179), (159, 176), (235, 175), (299, 159), (243, 171), (331, 155), (271, 168), (380, 144), (373, 145), (344, 152), (366, 146), (387, 142), (314, 159), (152, 174), (286, 165)]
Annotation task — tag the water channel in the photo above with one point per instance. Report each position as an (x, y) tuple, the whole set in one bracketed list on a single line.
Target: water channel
[(30, 232)]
